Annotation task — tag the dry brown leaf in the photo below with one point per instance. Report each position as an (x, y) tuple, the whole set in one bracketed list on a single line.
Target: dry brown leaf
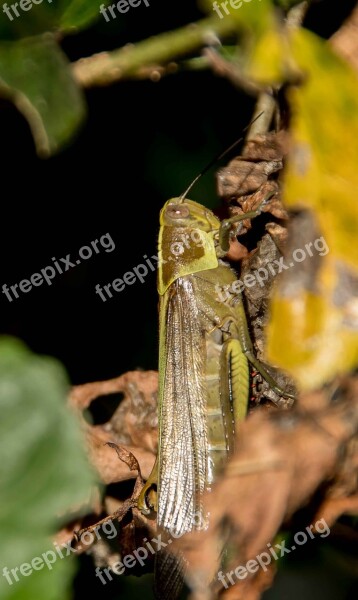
[(134, 423)]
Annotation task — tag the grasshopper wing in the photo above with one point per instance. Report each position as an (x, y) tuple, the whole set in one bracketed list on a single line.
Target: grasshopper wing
[(183, 447)]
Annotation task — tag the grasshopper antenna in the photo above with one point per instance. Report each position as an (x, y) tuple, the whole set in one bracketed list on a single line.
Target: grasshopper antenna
[(216, 159)]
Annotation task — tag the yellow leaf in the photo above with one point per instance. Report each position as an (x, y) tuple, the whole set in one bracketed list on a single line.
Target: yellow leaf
[(312, 336), (321, 170), (270, 61), (310, 333)]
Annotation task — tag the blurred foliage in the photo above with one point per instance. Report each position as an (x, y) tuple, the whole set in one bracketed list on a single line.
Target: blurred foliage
[(34, 72), (44, 471), (35, 76)]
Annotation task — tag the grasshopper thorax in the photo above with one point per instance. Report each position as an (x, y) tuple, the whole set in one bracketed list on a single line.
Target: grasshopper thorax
[(187, 241)]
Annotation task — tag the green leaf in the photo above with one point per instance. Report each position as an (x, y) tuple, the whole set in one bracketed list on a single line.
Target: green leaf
[(44, 471), (35, 75), (80, 13), (38, 19), (287, 4), (54, 584), (256, 15), (47, 16)]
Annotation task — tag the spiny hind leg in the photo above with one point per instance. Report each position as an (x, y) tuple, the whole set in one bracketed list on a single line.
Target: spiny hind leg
[(247, 349), (279, 391), (235, 379)]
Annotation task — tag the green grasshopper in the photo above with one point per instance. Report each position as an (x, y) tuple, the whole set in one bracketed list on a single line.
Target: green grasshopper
[(204, 355)]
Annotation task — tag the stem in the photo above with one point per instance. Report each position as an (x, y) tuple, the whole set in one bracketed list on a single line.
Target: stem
[(107, 67), (296, 15), (266, 102)]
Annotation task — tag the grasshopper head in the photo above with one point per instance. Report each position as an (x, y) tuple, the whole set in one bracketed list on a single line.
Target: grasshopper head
[(186, 241), (187, 213)]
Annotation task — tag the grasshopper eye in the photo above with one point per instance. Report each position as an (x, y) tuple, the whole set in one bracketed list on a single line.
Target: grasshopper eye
[(177, 211)]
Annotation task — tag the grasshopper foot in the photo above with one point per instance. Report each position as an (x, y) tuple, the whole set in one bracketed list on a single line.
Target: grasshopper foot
[(148, 497)]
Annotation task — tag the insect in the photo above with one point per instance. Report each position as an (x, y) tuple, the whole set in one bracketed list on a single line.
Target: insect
[(204, 355)]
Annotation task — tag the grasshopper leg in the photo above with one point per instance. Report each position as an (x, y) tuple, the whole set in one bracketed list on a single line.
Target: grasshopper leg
[(270, 380), (148, 497), (235, 378), (226, 224), (248, 351)]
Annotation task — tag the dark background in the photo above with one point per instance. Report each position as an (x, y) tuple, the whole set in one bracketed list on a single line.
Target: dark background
[(141, 144)]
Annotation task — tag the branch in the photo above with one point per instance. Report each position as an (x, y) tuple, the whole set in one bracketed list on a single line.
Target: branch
[(107, 67)]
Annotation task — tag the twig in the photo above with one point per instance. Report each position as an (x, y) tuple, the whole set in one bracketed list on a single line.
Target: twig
[(130, 460), (296, 15), (108, 67), (118, 515), (265, 104), (226, 68)]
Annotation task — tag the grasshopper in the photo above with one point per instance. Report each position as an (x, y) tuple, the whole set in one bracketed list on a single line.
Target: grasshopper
[(204, 355)]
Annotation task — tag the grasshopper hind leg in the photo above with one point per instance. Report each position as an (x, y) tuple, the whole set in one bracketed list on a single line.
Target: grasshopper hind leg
[(248, 351), (235, 379), (288, 398)]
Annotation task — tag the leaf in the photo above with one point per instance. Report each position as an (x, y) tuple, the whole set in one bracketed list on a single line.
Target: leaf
[(310, 333), (125, 456), (80, 13), (43, 470), (35, 20), (45, 584), (269, 61), (322, 168), (256, 15), (47, 16), (287, 4), (35, 75)]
